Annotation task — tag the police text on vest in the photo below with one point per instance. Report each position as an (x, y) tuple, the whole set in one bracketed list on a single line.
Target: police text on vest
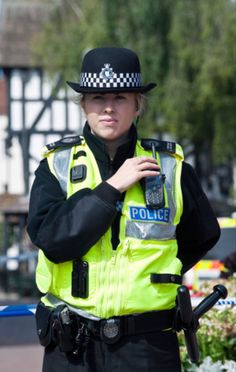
[(145, 214)]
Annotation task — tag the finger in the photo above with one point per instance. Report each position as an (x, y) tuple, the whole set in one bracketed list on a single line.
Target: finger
[(147, 173), (143, 159), (148, 166)]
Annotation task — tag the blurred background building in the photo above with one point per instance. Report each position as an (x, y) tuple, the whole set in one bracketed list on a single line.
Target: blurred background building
[(34, 111)]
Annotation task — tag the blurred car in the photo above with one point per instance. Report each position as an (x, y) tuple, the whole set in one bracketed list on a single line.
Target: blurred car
[(219, 262), (227, 242)]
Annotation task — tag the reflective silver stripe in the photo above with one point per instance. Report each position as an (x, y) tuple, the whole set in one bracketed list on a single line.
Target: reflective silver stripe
[(61, 162), (158, 231), (150, 231), (168, 165), (54, 301)]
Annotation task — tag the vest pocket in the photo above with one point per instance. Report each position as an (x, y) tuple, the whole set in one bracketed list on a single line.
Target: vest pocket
[(166, 278)]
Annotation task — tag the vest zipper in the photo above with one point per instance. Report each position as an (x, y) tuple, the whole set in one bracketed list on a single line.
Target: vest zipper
[(119, 295), (116, 221), (110, 169)]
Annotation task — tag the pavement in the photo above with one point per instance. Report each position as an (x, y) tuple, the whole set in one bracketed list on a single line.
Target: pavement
[(19, 346), (25, 358)]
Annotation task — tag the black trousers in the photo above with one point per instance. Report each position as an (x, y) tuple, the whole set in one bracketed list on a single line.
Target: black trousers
[(150, 352)]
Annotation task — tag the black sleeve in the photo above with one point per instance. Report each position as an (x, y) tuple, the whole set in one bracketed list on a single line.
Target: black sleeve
[(66, 229), (198, 230)]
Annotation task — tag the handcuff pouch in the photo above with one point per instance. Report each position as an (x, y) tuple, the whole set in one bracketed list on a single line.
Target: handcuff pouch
[(43, 318)]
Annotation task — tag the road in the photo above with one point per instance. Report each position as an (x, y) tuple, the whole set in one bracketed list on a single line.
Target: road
[(19, 346)]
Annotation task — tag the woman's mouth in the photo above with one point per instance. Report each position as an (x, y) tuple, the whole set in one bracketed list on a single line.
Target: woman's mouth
[(109, 121)]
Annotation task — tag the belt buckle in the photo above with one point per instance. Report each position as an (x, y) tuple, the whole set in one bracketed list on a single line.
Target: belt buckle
[(110, 330)]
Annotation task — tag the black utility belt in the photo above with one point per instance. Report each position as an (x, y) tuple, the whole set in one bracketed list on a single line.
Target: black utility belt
[(112, 329), (71, 332)]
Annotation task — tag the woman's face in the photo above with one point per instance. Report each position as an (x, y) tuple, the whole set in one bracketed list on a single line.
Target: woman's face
[(110, 115)]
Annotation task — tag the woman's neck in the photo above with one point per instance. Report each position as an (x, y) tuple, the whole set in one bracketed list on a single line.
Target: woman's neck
[(112, 146)]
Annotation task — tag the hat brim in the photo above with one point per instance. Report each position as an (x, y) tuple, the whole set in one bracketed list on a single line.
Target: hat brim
[(141, 89)]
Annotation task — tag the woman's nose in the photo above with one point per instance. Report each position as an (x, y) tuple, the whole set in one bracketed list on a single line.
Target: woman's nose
[(109, 106)]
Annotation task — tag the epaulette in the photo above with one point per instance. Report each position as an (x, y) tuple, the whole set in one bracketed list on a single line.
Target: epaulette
[(165, 146), (162, 146), (64, 142)]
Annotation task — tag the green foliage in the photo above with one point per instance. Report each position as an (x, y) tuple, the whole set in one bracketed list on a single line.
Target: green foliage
[(200, 88), (186, 46)]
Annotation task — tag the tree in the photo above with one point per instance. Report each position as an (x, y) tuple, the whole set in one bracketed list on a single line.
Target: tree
[(200, 88), (186, 46)]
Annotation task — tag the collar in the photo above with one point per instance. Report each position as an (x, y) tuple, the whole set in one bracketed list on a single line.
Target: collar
[(124, 151)]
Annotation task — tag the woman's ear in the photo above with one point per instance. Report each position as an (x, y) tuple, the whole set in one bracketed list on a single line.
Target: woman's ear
[(137, 103), (82, 102), (141, 100), (137, 113)]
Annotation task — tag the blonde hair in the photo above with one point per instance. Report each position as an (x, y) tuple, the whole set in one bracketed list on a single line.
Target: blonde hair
[(142, 103)]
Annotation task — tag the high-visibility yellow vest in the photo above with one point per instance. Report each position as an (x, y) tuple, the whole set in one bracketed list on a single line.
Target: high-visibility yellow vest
[(120, 280)]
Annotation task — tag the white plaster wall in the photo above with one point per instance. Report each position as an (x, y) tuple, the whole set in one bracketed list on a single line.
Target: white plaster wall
[(11, 168), (3, 174)]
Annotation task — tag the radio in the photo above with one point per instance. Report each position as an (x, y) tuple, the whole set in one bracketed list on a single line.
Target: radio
[(154, 188)]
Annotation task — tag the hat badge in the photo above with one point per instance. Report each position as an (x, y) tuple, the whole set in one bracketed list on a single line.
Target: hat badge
[(106, 72)]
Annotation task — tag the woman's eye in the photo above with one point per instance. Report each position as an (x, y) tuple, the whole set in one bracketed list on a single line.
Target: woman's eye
[(119, 97), (97, 97)]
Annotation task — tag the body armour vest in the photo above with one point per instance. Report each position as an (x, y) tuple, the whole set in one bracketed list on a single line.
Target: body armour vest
[(143, 272)]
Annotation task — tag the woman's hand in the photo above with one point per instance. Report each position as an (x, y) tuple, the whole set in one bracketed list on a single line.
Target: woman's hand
[(132, 171)]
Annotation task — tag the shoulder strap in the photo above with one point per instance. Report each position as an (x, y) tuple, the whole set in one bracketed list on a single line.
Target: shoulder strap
[(162, 146), (62, 143), (166, 146)]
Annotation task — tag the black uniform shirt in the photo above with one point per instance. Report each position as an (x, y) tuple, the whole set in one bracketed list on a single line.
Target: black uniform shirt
[(66, 229)]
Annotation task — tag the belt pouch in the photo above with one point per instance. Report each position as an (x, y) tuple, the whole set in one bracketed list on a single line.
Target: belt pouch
[(43, 324), (64, 328)]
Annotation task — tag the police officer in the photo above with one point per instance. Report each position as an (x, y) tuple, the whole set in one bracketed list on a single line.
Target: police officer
[(118, 221)]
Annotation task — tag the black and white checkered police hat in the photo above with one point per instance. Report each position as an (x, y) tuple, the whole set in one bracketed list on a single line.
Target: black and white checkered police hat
[(110, 70)]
